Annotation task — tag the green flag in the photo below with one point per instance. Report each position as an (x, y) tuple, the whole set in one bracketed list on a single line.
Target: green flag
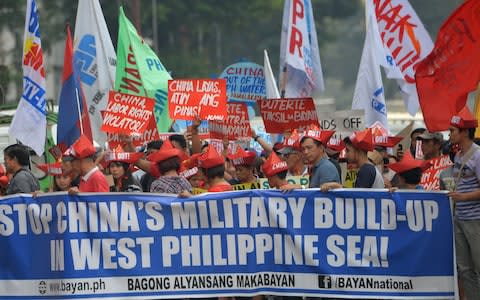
[(140, 72)]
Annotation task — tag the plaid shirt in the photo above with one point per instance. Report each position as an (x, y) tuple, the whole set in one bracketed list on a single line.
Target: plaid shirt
[(170, 184)]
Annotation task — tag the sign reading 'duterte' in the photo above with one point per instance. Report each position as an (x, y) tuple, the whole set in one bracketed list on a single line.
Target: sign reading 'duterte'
[(189, 99), (280, 115)]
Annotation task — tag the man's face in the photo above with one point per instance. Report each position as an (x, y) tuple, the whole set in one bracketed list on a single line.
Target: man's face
[(350, 154), (429, 147), (292, 159), (9, 163), (274, 181), (243, 173), (311, 151), (455, 135)]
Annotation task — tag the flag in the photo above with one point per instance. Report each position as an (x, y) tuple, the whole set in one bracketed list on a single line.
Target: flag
[(94, 62), (300, 67), (270, 83), (29, 125), (477, 110), (71, 102), (369, 93), (406, 43), (140, 72), (452, 70)]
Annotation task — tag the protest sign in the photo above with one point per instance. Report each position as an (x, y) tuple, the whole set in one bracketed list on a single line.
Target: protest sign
[(343, 122), (236, 125), (431, 176), (149, 134), (301, 180), (343, 244), (290, 113), (245, 82), (129, 114), (246, 186), (192, 98)]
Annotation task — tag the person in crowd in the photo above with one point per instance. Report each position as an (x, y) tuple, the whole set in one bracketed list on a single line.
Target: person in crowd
[(291, 153), (357, 147), (178, 141), (62, 181), (168, 162), (118, 163), (212, 165), (323, 171), (466, 194), (67, 166), (92, 180), (432, 143), (145, 178), (334, 148), (244, 162), (413, 142), (409, 172), (17, 164), (275, 170), (192, 173)]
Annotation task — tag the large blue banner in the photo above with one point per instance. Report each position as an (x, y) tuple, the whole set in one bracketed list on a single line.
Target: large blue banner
[(346, 243)]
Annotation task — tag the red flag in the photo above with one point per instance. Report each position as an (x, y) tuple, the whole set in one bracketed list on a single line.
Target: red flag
[(452, 70)]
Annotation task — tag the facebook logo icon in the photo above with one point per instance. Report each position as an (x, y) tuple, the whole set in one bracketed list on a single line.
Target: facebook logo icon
[(324, 282)]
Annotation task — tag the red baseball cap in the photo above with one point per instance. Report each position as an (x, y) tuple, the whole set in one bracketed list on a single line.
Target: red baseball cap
[(464, 119)]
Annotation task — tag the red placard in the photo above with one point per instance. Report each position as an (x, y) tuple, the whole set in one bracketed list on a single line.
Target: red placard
[(126, 113), (205, 98), (431, 176), (149, 134), (290, 113), (235, 125)]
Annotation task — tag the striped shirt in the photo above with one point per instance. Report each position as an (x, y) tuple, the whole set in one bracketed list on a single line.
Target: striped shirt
[(469, 181)]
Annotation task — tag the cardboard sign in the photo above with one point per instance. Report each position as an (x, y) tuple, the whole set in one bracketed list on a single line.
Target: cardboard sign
[(290, 113), (246, 186), (150, 134), (127, 113), (343, 122), (236, 125), (245, 82), (205, 98), (301, 180), (431, 177)]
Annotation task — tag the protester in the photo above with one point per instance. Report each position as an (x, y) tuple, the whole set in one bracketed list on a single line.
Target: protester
[(92, 179), (212, 165), (466, 172), (167, 160), (244, 162), (313, 149), (291, 153), (413, 142), (17, 163), (119, 163), (146, 178), (432, 143), (276, 171), (192, 173), (67, 166), (409, 172), (357, 147)]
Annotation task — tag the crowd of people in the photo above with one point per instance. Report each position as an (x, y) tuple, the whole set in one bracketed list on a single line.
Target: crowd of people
[(172, 167)]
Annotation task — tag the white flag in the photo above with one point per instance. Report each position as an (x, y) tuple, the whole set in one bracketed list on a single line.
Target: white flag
[(369, 92), (29, 125), (300, 67), (270, 83), (406, 42), (94, 61)]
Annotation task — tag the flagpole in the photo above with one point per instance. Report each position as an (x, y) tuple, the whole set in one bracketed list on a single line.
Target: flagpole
[(79, 110), (283, 84)]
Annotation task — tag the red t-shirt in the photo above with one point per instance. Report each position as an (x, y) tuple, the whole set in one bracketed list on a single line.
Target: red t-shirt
[(97, 182), (221, 187)]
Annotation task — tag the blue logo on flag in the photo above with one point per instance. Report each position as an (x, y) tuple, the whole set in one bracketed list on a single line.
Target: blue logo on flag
[(378, 105), (84, 59)]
